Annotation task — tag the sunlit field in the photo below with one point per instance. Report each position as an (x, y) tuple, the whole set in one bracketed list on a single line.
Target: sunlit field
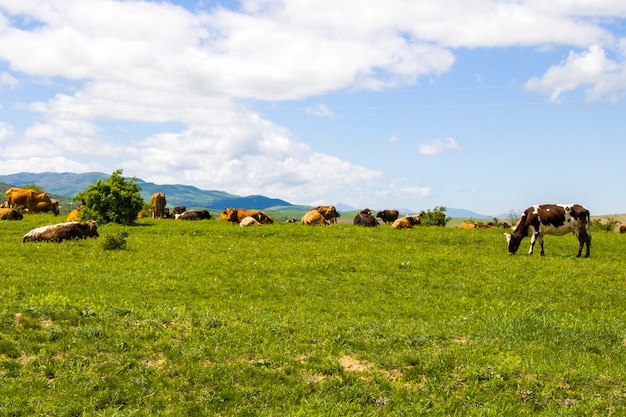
[(207, 318)]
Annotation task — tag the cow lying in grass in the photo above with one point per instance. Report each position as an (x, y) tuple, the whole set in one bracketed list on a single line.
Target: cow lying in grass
[(62, 231), (407, 222), (365, 218), (10, 214)]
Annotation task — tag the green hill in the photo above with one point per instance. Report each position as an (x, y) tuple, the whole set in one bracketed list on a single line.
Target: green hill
[(64, 186)]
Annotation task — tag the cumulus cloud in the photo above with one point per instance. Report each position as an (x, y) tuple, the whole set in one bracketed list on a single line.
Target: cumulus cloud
[(180, 90), (438, 146), (592, 67)]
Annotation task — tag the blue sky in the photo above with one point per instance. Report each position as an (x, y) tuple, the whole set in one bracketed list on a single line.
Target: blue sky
[(489, 106)]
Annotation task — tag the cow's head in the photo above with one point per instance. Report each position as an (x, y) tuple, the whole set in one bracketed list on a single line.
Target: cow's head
[(90, 228), (229, 214), (512, 243), (54, 206)]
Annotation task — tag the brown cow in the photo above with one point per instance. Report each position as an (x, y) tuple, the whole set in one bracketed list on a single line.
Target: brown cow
[(388, 216), (62, 231), (406, 222), (31, 199), (236, 215), (551, 219), (10, 214), (622, 228), (157, 205), (314, 217), (43, 206), (329, 212), (365, 218)]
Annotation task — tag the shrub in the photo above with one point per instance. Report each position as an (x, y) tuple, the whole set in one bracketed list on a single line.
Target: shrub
[(608, 226), (115, 242), (115, 200), (437, 217)]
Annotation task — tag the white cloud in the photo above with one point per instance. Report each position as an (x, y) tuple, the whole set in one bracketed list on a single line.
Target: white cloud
[(591, 67), (197, 67), (438, 146), (319, 110)]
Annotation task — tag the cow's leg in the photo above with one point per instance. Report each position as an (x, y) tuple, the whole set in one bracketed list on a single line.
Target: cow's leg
[(583, 239), (541, 243), (533, 238)]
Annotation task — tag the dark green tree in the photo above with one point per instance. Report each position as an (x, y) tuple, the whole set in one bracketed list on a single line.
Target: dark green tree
[(116, 200), (437, 217)]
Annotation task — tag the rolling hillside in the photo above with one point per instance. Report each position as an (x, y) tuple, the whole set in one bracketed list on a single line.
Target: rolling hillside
[(69, 184)]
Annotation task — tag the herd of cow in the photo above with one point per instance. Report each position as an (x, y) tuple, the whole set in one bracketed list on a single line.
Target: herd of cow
[(535, 222)]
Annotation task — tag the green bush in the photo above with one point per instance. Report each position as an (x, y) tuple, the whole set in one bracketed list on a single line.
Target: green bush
[(115, 242), (608, 226), (437, 217), (116, 200)]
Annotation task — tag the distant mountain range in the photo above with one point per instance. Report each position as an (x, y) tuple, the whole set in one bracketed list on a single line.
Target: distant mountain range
[(68, 184)]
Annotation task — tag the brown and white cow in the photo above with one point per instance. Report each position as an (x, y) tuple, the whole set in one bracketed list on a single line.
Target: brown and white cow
[(551, 219), (365, 218), (157, 205), (194, 215), (249, 221), (178, 210), (388, 216), (330, 213), (62, 231)]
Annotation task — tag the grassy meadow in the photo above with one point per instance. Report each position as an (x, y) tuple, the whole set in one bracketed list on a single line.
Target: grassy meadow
[(206, 318)]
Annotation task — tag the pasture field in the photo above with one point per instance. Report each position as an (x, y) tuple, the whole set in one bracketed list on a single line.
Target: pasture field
[(206, 318)]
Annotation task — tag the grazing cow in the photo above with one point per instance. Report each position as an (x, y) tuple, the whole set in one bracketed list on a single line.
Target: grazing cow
[(157, 205), (329, 212), (31, 199), (237, 215), (194, 215), (62, 231), (314, 217), (10, 214), (388, 216), (249, 221), (42, 206), (365, 218), (622, 228), (406, 222), (551, 219)]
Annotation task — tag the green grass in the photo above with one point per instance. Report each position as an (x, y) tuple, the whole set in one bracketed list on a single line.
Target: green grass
[(206, 318)]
